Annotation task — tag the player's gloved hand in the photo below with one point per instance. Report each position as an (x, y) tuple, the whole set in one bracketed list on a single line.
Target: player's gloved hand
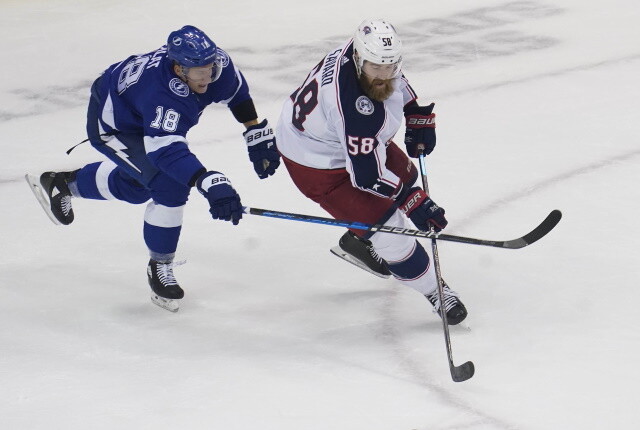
[(423, 211), (421, 129), (223, 199), (263, 153)]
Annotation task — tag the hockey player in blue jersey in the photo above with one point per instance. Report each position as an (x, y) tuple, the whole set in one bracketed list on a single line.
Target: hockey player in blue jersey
[(334, 136), (139, 114)]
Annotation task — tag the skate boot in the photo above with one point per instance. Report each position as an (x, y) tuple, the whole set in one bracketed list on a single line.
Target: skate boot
[(53, 194), (360, 252), (456, 312), (166, 292)]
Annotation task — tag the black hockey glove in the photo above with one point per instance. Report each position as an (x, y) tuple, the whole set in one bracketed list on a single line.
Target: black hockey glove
[(417, 205), (223, 199), (263, 153), (421, 129)]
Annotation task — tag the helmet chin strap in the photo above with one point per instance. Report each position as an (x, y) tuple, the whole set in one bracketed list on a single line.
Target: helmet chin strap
[(183, 71), (356, 60)]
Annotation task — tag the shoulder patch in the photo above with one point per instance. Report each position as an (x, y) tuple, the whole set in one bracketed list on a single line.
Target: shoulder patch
[(223, 58), (364, 105), (178, 87)]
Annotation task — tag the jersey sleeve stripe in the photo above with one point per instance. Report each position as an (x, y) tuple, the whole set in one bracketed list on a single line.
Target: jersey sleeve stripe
[(153, 143), (107, 112)]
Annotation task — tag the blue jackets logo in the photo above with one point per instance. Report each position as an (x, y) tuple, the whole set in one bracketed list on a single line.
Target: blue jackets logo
[(178, 87), (364, 105)]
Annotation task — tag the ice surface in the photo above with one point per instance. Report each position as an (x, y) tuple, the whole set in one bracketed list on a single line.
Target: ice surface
[(538, 106)]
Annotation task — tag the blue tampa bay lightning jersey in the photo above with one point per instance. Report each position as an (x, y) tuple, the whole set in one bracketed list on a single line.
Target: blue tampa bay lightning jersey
[(142, 95)]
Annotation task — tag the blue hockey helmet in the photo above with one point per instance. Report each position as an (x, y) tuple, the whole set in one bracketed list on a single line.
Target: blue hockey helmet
[(191, 47)]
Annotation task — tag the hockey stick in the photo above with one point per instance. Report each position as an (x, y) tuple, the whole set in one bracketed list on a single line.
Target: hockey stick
[(534, 235), (466, 370)]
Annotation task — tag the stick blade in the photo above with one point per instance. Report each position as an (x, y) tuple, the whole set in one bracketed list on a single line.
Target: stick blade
[(463, 372), (537, 233)]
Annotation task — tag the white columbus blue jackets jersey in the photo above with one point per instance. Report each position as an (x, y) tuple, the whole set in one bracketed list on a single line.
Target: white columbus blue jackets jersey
[(330, 123), (142, 95)]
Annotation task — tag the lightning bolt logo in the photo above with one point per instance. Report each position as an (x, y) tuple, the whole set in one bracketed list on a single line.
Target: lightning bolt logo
[(118, 148)]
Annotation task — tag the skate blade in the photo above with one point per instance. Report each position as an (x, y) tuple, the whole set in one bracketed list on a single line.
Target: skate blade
[(338, 252), (168, 304), (38, 192)]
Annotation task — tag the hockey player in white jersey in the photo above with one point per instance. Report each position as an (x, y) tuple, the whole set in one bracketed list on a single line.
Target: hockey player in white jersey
[(139, 114), (334, 135)]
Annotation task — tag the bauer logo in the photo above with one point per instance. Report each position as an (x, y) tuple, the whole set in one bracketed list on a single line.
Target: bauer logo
[(213, 180), (259, 136), (364, 105), (178, 87), (422, 121)]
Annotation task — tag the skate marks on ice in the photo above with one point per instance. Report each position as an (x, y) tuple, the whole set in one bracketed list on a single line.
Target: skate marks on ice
[(412, 362), (533, 78), (548, 183), (475, 35), (471, 418), (27, 102), (455, 40)]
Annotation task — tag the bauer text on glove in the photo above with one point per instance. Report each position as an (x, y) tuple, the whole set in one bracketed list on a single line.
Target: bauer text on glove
[(422, 211), (263, 153), (421, 129), (224, 201)]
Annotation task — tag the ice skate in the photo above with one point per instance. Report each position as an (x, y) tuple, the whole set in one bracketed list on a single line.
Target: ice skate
[(166, 292), (361, 253), (53, 194), (168, 304), (455, 309)]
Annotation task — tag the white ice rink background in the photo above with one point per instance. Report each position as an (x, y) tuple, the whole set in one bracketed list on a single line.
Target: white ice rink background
[(538, 108)]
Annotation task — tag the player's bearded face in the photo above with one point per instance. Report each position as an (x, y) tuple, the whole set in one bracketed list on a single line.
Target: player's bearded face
[(377, 80), (376, 89)]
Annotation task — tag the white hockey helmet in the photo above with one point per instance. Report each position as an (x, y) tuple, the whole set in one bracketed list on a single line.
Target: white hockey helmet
[(376, 41)]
